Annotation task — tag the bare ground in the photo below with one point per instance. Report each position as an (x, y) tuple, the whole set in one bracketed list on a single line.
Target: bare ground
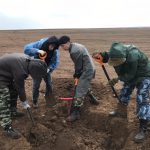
[(96, 130)]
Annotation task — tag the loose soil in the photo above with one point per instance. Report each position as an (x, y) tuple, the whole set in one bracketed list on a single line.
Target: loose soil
[(95, 130)]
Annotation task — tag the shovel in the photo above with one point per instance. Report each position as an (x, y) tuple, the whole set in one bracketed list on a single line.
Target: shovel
[(108, 78), (70, 99), (30, 116), (37, 131)]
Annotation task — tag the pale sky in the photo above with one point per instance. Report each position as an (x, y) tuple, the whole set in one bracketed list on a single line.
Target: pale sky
[(54, 14)]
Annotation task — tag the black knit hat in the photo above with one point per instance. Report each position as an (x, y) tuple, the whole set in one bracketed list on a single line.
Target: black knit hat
[(64, 39), (52, 40)]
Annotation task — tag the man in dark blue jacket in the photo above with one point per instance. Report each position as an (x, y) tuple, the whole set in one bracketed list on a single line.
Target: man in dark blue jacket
[(42, 47)]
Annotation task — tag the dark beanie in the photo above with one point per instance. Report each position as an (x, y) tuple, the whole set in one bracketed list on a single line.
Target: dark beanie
[(64, 39), (52, 40)]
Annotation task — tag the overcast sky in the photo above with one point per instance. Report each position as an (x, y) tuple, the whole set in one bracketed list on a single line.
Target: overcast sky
[(40, 14)]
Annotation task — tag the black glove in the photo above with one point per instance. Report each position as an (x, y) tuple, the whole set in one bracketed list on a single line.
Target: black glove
[(77, 75)]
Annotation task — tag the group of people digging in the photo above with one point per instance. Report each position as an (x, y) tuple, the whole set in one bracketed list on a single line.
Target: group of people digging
[(131, 65)]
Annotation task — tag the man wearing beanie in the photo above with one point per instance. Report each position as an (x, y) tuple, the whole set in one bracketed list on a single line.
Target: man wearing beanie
[(84, 71), (14, 69), (133, 68)]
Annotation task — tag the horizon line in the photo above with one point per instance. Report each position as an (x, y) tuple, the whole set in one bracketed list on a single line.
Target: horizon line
[(76, 28)]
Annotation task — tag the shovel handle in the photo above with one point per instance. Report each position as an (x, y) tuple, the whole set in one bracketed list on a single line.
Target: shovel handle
[(30, 115), (66, 98), (76, 81), (107, 76)]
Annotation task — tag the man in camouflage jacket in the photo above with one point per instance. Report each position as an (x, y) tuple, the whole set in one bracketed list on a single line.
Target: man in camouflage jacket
[(133, 68)]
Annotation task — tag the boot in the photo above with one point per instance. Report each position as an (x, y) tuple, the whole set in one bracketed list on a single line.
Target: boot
[(74, 115), (148, 126), (12, 133), (121, 111), (35, 104), (15, 113), (93, 99), (50, 99), (48, 93), (142, 132)]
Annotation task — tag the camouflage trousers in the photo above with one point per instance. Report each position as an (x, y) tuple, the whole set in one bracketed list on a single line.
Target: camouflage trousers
[(8, 102), (5, 113), (142, 98)]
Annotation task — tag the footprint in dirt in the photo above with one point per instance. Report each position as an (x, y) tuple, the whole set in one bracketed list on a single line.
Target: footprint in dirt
[(118, 133), (39, 134)]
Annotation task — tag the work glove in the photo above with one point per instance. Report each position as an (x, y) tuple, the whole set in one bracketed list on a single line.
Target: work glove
[(25, 104), (113, 81), (77, 75), (41, 52), (97, 57), (49, 70)]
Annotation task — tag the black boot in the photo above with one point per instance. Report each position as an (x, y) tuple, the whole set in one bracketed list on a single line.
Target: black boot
[(12, 133), (148, 126), (15, 113), (121, 111), (35, 104), (50, 98), (142, 132), (74, 115), (93, 100), (49, 92)]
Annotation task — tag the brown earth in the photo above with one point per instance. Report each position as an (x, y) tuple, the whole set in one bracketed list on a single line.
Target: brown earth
[(95, 130)]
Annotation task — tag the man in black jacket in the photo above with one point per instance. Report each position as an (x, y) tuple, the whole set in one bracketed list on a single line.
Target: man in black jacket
[(14, 69)]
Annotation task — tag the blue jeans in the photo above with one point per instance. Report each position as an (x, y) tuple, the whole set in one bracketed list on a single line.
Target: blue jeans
[(36, 86), (142, 98)]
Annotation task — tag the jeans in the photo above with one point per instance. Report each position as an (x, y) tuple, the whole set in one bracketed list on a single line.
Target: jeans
[(36, 86)]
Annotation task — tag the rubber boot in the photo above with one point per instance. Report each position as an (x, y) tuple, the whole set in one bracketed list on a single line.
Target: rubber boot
[(74, 115), (12, 133), (15, 113), (121, 111), (142, 131), (93, 99)]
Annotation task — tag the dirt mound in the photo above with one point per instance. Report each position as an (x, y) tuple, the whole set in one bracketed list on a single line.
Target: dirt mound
[(6, 143), (95, 131), (39, 134)]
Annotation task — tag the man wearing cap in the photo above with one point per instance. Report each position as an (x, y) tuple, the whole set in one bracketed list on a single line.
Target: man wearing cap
[(14, 69), (49, 47), (84, 71), (133, 68)]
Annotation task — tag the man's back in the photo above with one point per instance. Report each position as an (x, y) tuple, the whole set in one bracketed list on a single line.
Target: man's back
[(12, 65)]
